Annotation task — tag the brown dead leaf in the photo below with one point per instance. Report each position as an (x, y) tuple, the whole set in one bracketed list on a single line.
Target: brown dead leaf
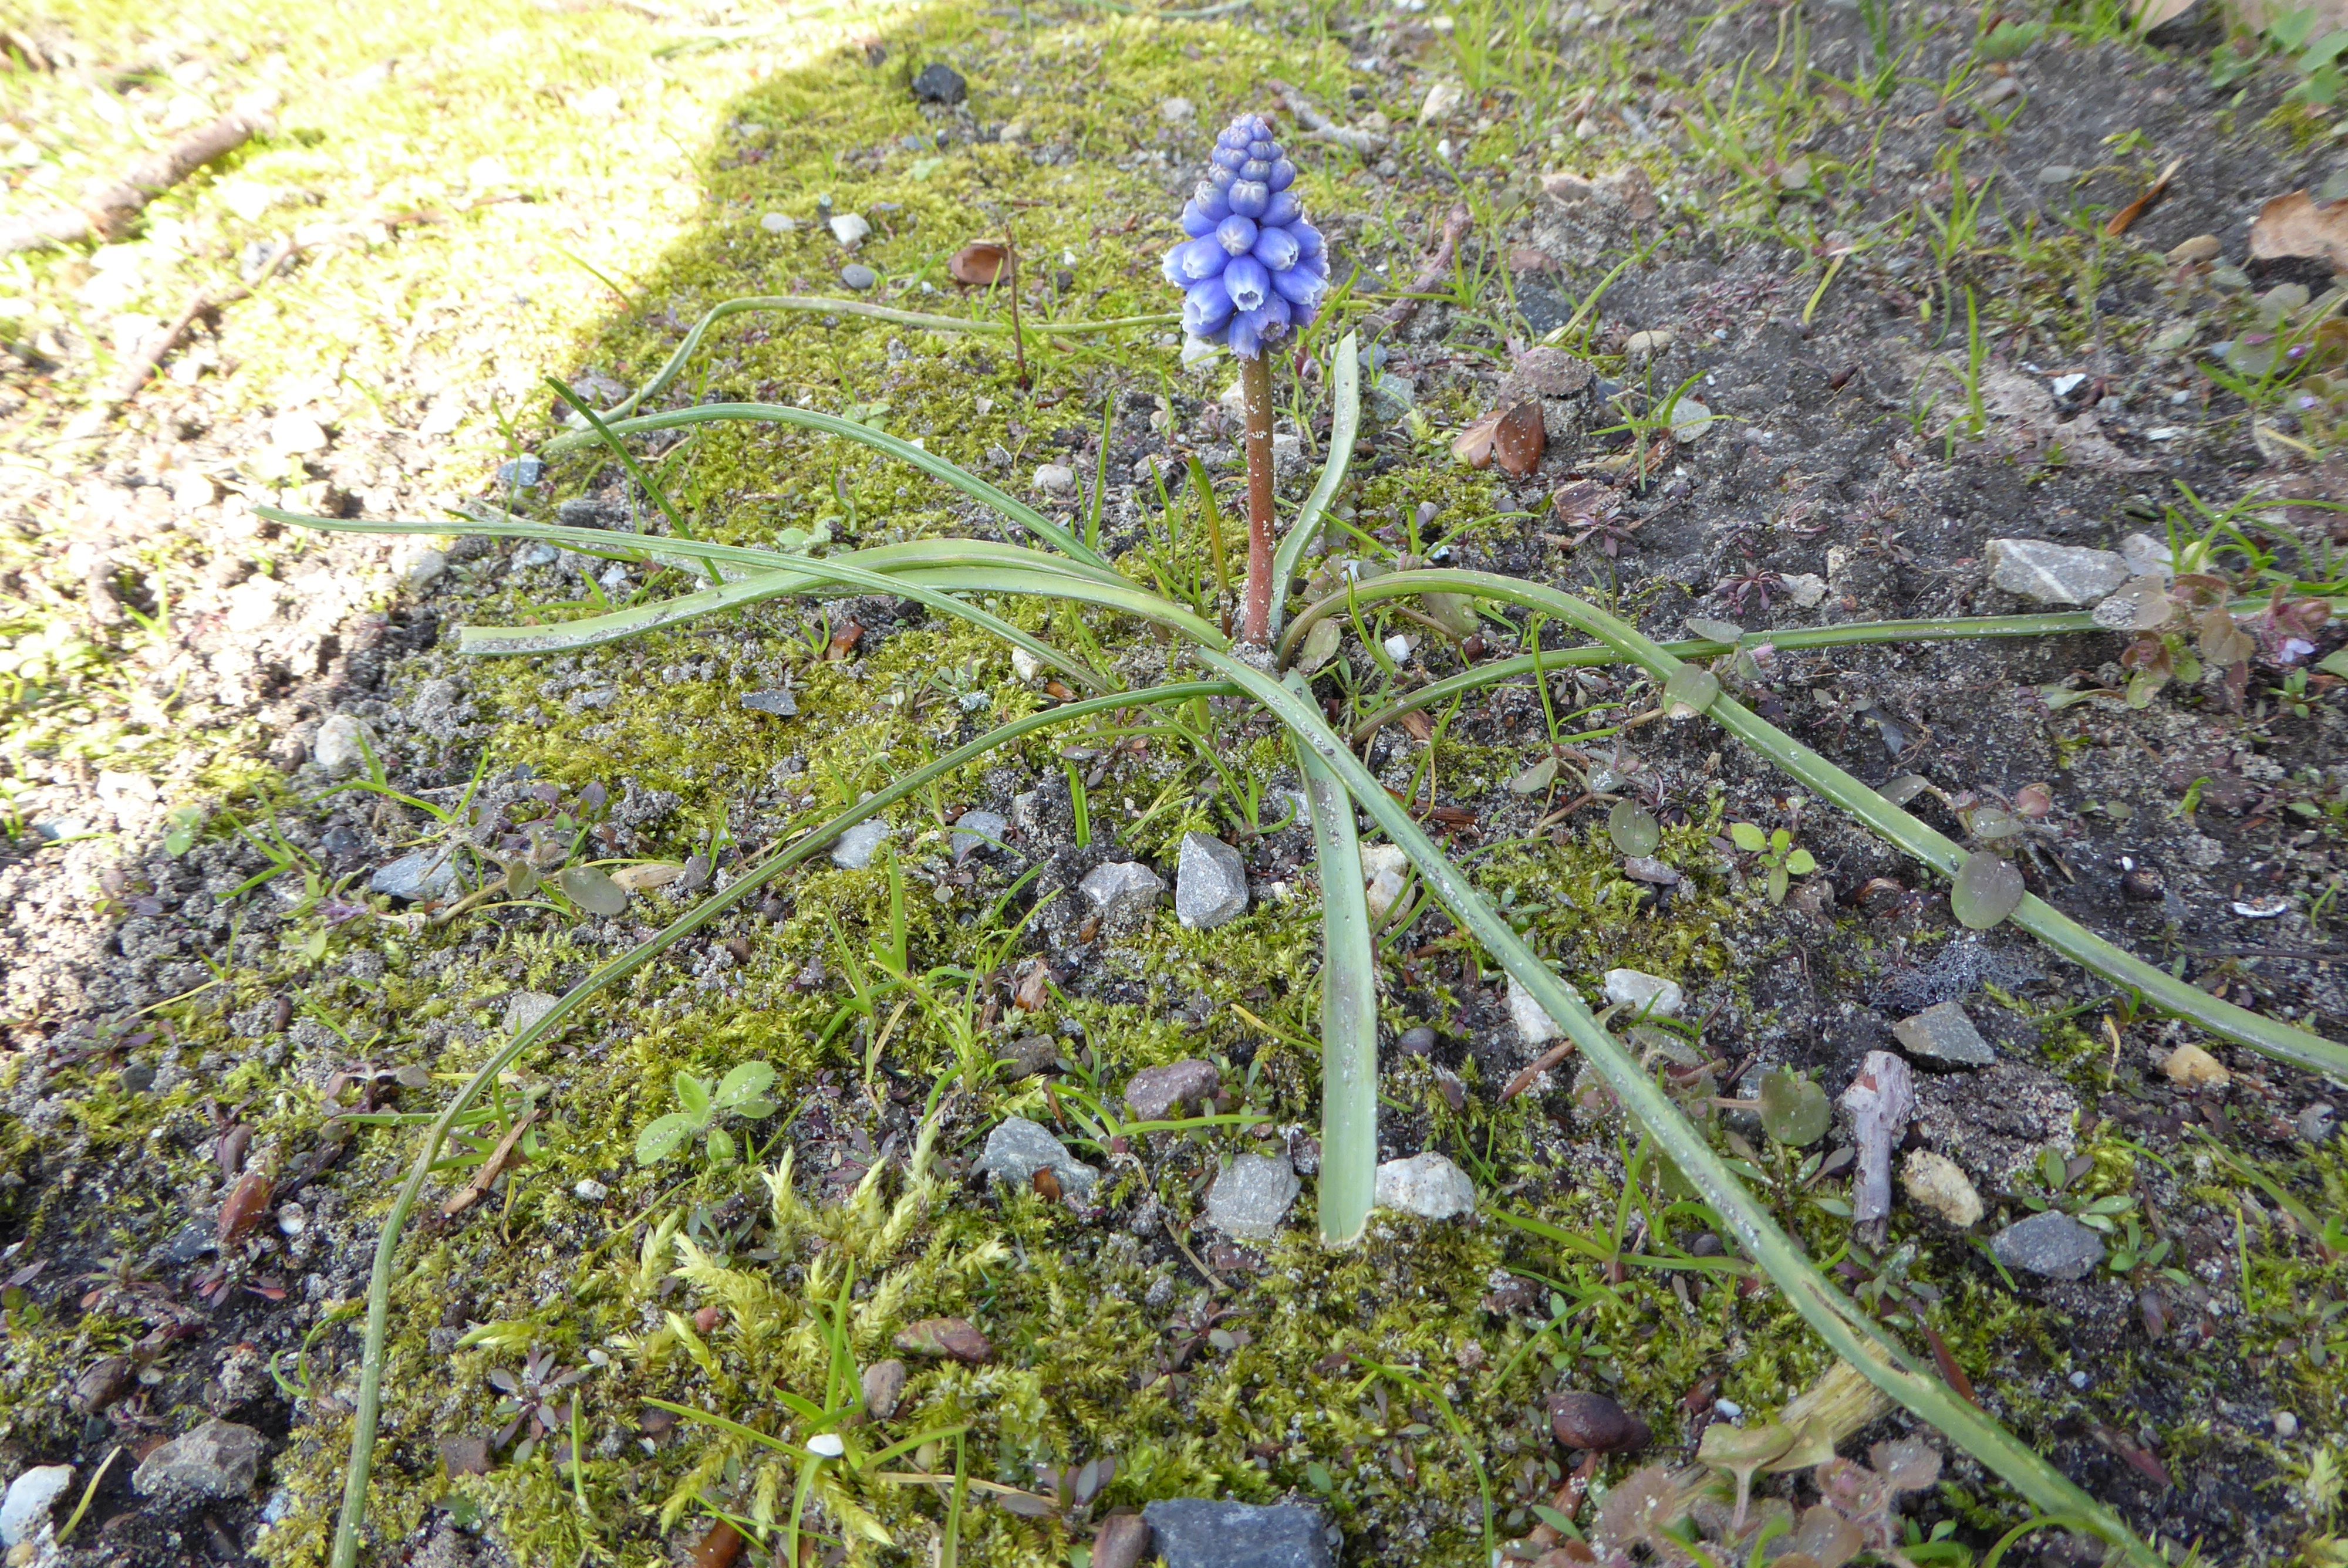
[(1032, 989), (844, 641), (980, 264), (247, 1202), (2127, 215), (1514, 437), (2298, 225)]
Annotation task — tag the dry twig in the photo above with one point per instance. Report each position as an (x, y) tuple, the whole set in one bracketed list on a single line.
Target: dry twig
[(1319, 127), (1398, 314), (107, 210)]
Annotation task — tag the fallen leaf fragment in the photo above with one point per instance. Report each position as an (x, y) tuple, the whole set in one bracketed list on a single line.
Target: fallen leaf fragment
[(1513, 437), (980, 264), (953, 1337), (247, 1202), (2298, 225)]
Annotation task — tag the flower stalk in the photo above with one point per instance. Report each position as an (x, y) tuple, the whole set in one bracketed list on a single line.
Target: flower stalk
[(1255, 388)]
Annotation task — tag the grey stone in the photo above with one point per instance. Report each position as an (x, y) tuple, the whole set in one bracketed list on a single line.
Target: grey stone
[(2318, 1121), (858, 845), (1427, 1186), (2052, 1244), (341, 745), (590, 512), (1122, 890), (779, 223), (976, 832), (219, 1459), (2052, 573), (1210, 885), (1158, 1093), (1027, 1056), (1198, 1533), (1251, 1196), (940, 83), (884, 1385), (25, 1512), (535, 553), (1019, 1148), (2147, 556), (1944, 1036), (426, 874), (525, 1008), (1057, 480), (780, 703), (859, 276), (1534, 1026), (524, 470)]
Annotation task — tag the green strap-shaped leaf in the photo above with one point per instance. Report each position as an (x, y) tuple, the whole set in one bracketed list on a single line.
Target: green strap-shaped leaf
[(1345, 425), (1852, 1335), (2041, 919), (930, 463), (1349, 1009)]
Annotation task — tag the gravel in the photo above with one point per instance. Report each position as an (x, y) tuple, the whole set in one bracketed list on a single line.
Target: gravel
[(1427, 1186), (2055, 574), (219, 1459), (1019, 1148), (1944, 1036), (1122, 890), (2052, 1244), (1195, 1533)]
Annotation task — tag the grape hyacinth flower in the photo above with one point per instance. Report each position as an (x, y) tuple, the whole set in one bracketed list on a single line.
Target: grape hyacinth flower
[(1253, 273)]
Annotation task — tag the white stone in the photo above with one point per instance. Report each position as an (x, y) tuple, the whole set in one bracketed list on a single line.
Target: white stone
[(1121, 891), (2052, 573), (419, 566), (1178, 111), (2147, 556), (341, 745), (780, 224), (294, 434), (2194, 1068), (1211, 886), (25, 1509), (1939, 1184), (858, 845), (190, 491), (588, 1189), (1024, 665), (1638, 993), (1397, 648), (1055, 479), (1806, 588), (1427, 1186), (827, 1445), (850, 229), (1440, 100), (1534, 1026), (1251, 1196), (1383, 890)]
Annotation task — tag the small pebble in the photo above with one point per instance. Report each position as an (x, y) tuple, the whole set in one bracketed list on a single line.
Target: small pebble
[(2078, 1379), (591, 1191), (859, 276), (779, 223), (2286, 1425), (1055, 479), (1728, 1410), (850, 229)]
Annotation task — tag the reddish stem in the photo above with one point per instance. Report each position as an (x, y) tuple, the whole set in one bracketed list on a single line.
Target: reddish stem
[(1255, 387)]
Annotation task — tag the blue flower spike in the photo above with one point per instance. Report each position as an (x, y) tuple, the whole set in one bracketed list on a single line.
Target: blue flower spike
[(1253, 270)]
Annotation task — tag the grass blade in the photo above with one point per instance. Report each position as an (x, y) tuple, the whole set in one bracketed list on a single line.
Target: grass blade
[(2041, 919), (1344, 426), (1349, 1010), (369, 1403), (1850, 1333)]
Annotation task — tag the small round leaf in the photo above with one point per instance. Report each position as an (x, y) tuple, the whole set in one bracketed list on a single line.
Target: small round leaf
[(1987, 890), (594, 893), (1794, 1110), (1633, 829), (1748, 838)]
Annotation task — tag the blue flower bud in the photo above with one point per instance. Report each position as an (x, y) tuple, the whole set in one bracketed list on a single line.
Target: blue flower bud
[(1252, 272), (1249, 283), (1206, 309)]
